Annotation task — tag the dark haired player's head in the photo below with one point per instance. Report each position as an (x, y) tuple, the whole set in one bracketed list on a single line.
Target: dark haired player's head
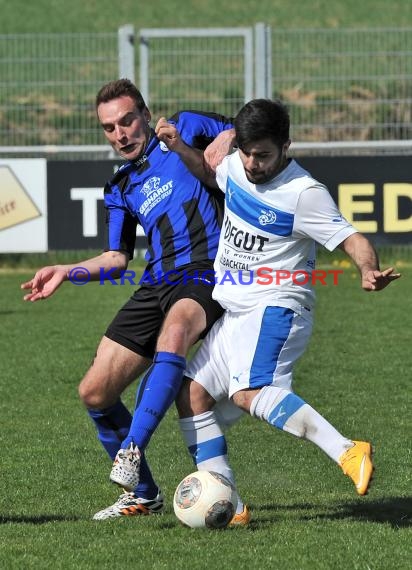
[(120, 88), (262, 119), (262, 136)]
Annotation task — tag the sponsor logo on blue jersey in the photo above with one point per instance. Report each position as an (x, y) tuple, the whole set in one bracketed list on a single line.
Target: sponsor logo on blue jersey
[(150, 185), (155, 194)]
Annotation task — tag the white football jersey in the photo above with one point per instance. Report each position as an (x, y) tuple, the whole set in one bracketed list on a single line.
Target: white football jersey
[(267, 245)]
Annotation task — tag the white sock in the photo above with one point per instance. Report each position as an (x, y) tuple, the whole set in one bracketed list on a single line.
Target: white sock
[(287, 411), (206, 443)]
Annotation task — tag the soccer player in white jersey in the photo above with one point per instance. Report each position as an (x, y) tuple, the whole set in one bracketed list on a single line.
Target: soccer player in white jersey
[(275, 213)]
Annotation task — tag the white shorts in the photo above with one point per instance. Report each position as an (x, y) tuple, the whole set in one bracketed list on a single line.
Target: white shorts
[(251, 350)]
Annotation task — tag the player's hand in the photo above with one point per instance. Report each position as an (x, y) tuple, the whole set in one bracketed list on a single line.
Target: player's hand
[(168, 134), (219, 148), (378, 280), (44, 283)]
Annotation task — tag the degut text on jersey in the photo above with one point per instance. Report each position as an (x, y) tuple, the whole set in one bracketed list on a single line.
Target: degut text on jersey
[(243, 240)]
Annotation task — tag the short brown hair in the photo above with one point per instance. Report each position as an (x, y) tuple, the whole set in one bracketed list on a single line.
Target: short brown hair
[(120, 88)]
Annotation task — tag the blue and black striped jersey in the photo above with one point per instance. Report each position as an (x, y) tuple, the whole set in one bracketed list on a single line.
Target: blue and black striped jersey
[(179, 215)]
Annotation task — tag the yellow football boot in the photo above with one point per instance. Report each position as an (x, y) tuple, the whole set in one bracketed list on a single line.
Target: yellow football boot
[(241, 519), (357, 464)]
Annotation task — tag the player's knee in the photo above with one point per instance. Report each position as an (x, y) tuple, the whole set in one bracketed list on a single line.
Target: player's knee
[(92, 395), (193, 399), (86, 394), (243, 399)]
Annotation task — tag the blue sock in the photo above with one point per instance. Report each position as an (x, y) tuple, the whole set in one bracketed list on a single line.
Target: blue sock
[(156, 394), (112, 425), (147, 488)]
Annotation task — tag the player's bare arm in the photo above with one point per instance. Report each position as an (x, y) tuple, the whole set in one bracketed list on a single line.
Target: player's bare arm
[(216, 151), (48, 279), (361, 251), (192, 157)]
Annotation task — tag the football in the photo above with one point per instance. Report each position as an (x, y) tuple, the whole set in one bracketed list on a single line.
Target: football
[(205, 499)]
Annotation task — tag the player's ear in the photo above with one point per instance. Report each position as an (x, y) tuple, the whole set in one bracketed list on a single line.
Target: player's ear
[(286, 146), (147, 115)]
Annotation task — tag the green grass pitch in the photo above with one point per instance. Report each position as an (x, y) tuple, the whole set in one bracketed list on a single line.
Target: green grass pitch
[(21, 16), (306, 515)]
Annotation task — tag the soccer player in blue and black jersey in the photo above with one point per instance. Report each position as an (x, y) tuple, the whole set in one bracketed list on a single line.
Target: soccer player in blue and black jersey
[(172, 309)]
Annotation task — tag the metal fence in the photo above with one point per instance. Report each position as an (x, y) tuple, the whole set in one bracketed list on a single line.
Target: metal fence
[(340, 85), (47, 86), (208, 70), (349, 85)]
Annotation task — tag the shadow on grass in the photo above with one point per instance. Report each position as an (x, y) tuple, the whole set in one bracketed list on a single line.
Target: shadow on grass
[(396, 511), (39, 519)]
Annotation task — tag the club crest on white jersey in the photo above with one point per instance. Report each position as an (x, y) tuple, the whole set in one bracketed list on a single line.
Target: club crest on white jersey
[(267, 217)]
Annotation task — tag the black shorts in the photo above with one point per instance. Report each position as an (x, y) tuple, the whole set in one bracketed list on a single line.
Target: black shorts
[(137, 325)]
